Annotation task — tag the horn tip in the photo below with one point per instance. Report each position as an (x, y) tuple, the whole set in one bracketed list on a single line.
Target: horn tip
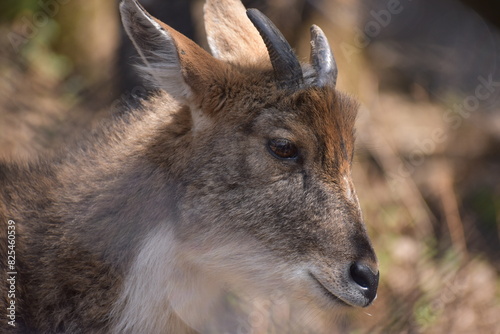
[(253, 13), (316, 32)]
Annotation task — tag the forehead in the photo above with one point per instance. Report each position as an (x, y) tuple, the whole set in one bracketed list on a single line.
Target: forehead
[(325, 110), (330, 115)]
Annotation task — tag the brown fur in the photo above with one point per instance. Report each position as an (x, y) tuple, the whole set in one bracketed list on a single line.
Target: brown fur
[(82, 218)]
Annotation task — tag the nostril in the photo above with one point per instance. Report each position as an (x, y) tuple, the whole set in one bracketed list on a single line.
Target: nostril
[(363, 276)]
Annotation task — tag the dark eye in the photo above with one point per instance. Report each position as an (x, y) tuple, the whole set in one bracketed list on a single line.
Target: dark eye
[(282, 148)]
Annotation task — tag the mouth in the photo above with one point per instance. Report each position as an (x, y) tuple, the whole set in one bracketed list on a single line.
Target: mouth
[(327, 292)]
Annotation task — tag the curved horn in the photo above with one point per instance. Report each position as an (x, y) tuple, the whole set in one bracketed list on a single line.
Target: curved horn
[(287, 70), (322, 58)]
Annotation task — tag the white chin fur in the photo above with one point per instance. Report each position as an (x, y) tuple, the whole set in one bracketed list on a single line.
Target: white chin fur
[(166, 291)]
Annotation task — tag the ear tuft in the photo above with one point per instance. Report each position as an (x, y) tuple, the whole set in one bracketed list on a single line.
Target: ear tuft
[(172, 61), (156, 48)]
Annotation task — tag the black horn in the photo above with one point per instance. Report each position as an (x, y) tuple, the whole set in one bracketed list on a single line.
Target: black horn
[(286, 66), (322, 58)]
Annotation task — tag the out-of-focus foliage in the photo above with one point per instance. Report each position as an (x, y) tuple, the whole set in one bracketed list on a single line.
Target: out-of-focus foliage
[(11, 9)]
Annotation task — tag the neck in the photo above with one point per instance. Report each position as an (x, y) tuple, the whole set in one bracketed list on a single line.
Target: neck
[(162, 292), (94, 206), (121, 186)]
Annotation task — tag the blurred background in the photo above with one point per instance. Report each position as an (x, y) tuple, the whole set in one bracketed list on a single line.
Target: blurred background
[(428, 149)]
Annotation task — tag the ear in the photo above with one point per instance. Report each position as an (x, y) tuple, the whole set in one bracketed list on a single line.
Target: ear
[(172, 61), (231, 36)]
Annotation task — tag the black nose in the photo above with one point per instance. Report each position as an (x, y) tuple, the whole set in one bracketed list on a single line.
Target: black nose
[(363, 276)]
